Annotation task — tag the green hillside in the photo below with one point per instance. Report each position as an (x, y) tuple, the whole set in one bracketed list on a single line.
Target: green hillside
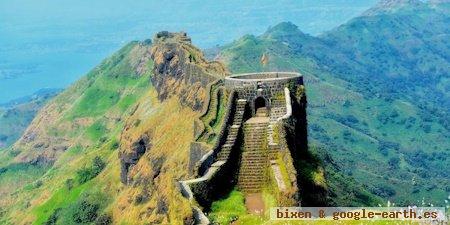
[(66, 167), (379, 109), (378, 116), (49, 173)]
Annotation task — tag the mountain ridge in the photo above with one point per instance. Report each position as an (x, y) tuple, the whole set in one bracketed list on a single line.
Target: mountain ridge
[(372, 94), (115, 143)]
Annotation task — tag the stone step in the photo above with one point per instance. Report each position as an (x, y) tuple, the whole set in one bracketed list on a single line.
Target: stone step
[(251, 169), (259, 152), (255, 148), (255, 161), (227, 146), (255, 158), (252, 124), (252, 145), (253, 165), (252, 178), (252, 128), (229, 142), (250, 187), (251, 172), (243, 176), (254, 137), (257, 140), (252, 132), (256, 169), (254, 153), (250, 182)]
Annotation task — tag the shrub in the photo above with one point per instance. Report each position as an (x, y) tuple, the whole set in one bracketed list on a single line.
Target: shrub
[(103, 219), (88, 173), (385, 146), (38, 183), (351, 119), (54, 217), (84, 211), (98, 165), (394, 162), (115, 145), (384, 191), (69, 184)]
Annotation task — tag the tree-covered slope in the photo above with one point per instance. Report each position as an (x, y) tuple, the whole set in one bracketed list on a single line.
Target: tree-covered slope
[(378, 95)]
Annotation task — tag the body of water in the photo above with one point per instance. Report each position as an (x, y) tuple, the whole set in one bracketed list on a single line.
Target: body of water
[(51, 43)]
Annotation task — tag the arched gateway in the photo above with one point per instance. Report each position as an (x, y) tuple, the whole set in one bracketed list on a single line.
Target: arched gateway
[(261, 108)]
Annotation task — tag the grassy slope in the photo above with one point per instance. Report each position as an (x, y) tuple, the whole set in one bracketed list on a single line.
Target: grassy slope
[(107, 94), (367, 136), (111, 106)]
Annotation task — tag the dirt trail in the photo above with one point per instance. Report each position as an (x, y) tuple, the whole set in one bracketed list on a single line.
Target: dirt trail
[(254, 203)]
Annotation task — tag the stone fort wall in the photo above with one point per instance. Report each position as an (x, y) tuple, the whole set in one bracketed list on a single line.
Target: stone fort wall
[(269, 85)]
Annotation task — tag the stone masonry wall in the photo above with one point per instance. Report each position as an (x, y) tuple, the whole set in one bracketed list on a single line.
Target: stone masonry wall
[(267, 85)]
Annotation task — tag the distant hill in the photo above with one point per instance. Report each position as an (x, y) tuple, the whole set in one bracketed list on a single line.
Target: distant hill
[(110, 148), (16, 115), (379, 94)]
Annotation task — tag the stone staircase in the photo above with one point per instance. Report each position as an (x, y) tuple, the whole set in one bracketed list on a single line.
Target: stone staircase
[(254, 161), (262, 112), (233, 131)]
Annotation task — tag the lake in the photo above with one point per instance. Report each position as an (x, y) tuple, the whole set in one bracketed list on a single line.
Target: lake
[(51, 43)]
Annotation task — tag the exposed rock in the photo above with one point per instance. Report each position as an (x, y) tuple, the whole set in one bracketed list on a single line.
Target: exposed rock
[(130, 158), (181, 69), (161, 206), (157, 165)]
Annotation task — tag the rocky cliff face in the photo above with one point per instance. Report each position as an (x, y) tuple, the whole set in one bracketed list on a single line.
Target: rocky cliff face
[(181, 69)]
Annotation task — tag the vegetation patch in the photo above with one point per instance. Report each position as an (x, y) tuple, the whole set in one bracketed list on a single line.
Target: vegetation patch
[(229, 209), (87, 173)]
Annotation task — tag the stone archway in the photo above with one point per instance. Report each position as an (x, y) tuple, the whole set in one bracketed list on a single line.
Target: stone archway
[(261, 107)]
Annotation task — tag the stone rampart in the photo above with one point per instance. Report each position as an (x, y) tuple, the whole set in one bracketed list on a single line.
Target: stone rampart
[(269, 85)]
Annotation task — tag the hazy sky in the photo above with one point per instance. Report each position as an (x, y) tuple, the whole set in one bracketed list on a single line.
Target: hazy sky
[(51, 43)]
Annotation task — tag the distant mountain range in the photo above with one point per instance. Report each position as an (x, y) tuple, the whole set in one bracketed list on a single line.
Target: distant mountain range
[(378, 90), (379, 93)]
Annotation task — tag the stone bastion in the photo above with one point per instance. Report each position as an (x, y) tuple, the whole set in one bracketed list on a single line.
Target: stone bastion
[(274, 80), (267, 85)]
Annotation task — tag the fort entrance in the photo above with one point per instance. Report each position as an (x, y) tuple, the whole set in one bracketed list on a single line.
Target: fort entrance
[(261, 109), (251, 152)]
